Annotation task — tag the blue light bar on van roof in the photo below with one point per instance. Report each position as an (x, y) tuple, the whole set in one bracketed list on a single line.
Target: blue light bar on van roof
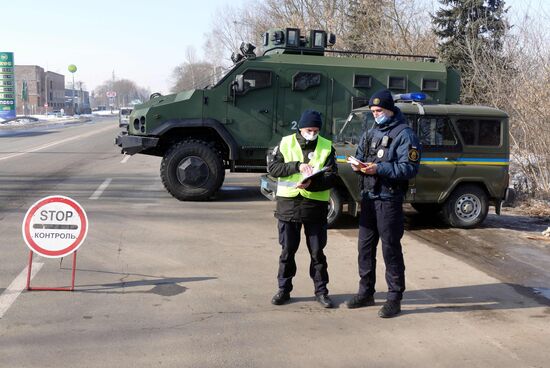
[(413, 96)]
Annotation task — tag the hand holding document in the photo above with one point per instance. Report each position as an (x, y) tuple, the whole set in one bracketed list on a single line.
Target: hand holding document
[(355, 162), (314, 173), (368, 168)]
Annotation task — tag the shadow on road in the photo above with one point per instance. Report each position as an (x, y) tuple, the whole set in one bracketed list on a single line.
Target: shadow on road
[(237, 193), (480, 298), (165, 286)]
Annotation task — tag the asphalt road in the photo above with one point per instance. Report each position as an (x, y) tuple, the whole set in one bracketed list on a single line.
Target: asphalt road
[(166, 283)]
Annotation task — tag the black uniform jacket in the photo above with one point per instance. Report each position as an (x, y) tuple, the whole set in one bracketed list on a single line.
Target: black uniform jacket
[(300, 209)]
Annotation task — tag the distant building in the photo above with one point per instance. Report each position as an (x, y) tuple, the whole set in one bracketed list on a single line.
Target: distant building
[(45, 90), (81, 101), (47, 93), (34, 76), (54, 91)]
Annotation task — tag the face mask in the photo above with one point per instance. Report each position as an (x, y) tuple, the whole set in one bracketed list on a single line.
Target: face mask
[(310, 137), (381, 119)]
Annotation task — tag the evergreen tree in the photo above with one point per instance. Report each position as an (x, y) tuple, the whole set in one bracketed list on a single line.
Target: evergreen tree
[(471, 34)]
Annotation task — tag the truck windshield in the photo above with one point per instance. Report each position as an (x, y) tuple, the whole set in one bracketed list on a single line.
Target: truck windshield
[(354, 126)]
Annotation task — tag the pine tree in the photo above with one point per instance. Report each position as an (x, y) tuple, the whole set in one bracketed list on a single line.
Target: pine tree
[(471, 34)]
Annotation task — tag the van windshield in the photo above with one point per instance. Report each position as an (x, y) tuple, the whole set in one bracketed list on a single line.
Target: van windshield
[(125, 111)]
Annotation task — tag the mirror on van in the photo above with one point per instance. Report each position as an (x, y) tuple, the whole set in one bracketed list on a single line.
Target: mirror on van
[(238, 84)]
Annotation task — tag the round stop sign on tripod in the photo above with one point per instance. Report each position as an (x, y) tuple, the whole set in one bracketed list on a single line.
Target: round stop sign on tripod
[(55, 226)]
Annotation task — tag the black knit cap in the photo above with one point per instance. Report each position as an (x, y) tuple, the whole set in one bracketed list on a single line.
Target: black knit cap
[(382, 98), (310, 119)]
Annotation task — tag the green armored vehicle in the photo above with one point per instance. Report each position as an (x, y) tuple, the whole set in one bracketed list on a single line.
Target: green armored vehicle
[(463, 169), (230, 125)]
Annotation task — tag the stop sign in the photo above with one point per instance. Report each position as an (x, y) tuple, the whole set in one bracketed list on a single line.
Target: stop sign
[(55, 226)]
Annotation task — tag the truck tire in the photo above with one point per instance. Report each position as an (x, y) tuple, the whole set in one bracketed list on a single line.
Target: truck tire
[(427, 208), (192, 170), (466, 207), (334, 208)]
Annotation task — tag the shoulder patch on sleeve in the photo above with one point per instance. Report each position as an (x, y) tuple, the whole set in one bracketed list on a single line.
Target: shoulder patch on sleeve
[(414, 155)]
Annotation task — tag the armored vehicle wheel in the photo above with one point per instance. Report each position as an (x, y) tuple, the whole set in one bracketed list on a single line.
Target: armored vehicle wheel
[(334, 208), (466, 207), (192, 171), (427, 208)]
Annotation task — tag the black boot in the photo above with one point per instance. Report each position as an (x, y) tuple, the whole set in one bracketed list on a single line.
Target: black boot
[(358, 301), (280, 298), (324, 300), (390, 308)]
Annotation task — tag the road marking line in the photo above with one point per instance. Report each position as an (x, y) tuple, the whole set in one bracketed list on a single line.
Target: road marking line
[(16, 287), (48, 145), (125, 159), (101, 188)]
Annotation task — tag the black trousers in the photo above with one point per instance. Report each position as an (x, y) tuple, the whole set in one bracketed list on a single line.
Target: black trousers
[(316, 239), (381, 220)]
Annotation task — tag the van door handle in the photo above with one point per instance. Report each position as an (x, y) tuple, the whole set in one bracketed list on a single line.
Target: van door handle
[(263, 111)]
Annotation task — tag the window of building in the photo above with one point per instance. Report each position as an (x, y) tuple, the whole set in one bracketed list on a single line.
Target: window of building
[(362, 81), (304, 80)]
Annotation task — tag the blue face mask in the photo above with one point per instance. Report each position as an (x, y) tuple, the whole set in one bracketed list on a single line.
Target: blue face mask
[(381, 119)]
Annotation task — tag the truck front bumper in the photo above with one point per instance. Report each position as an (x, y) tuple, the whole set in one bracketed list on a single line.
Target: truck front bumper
[(132, 144)]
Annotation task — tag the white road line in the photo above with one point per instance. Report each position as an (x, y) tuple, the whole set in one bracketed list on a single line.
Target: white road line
[(48, 145), (101, 188), (16, 287), (125, 159)]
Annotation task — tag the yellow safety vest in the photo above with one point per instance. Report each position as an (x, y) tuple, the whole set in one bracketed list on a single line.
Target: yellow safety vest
[(291, 151)]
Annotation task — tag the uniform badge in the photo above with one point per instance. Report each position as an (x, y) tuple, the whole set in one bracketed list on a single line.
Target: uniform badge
[(376, 101), (310, 155), (380, 153), (414, 155)]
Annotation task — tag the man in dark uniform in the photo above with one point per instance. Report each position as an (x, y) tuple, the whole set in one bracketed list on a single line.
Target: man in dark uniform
[(303, 203), (391, 153)]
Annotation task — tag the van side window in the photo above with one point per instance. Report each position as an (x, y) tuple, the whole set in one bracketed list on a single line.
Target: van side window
[(304, 80), (480, 132), (436, 131), (489, 133), (256, 79)]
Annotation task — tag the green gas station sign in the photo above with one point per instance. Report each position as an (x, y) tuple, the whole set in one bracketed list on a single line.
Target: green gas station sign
[(7, 86)]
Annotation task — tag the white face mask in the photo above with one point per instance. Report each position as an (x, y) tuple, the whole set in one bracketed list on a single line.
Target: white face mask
[(309, 136)]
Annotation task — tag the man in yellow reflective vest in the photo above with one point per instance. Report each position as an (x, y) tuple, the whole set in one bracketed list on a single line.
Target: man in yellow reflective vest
[(303, 202)]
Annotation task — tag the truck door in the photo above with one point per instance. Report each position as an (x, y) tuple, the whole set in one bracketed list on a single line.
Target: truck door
[(302, 89), (441, 151), (250, 115)]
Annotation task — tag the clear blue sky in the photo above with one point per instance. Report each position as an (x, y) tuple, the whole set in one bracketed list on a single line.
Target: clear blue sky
[(140, 40)]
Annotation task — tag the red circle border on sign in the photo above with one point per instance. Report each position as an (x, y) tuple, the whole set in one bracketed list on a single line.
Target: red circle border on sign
[(62, 252)]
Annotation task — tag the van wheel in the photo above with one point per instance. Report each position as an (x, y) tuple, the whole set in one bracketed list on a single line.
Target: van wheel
[(466, 207), (427, 208), (192, 170), (334, 208)]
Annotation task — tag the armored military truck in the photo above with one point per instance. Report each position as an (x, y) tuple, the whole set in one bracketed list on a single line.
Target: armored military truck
[(463, 168), (201, 133)]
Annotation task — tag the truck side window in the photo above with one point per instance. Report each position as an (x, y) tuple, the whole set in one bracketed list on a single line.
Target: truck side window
[(435, 131), (304, 80), (480, 132), (256, 79)]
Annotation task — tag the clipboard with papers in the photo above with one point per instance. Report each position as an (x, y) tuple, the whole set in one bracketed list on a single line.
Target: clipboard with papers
[(314, 175)]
